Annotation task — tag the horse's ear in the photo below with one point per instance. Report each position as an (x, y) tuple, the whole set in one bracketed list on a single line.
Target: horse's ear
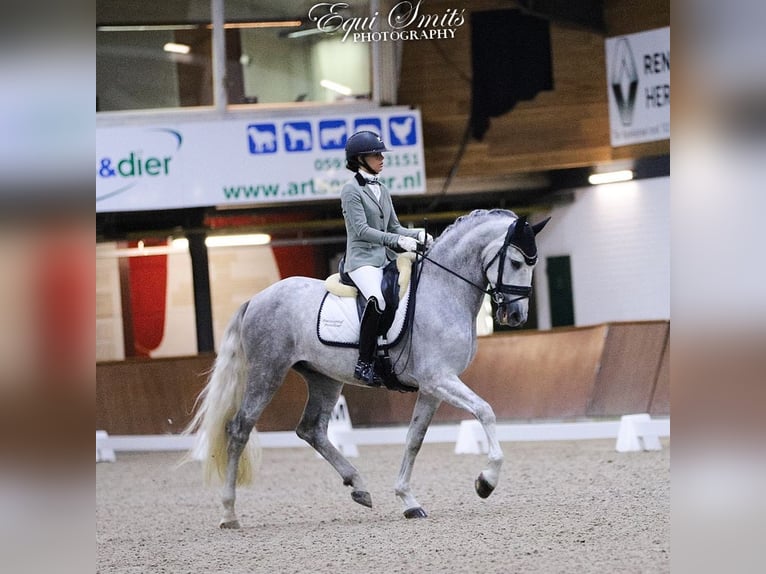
[(518, 226), (538, 227)]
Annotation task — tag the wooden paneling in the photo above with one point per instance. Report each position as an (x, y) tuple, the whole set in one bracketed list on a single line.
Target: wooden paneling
[(148, 396), (631, 16), (563, 128), (629, 367), (284, 411), (524, 376), (661, 396), (537, 375), (378, 407), (156, 396)]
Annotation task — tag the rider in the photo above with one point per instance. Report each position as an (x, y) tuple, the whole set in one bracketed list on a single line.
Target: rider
[(372, 233)]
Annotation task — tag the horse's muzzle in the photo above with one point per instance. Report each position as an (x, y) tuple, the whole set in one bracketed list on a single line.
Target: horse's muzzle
[(511, 314)]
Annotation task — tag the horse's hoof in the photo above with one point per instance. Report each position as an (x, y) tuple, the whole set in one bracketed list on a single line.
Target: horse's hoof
[(362, 497), (416, 512), (483, 488), (232, 524)]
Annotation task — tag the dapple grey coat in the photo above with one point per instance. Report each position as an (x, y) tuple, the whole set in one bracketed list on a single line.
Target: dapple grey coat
[(271, 334), (372, 228)]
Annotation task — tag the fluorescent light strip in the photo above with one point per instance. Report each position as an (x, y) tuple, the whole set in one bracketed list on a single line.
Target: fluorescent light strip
[(335, 87), (238, 240), (306, 32), (247, 25), (610, 177), (171, 27), (181, 245), (102, 253), (227, 240), (177, 48), (147, 28)]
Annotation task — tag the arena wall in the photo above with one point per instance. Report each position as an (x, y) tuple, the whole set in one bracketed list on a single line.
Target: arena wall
[(575, 373)]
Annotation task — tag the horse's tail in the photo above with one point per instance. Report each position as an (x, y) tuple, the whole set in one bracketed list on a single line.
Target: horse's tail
[(218, 402)]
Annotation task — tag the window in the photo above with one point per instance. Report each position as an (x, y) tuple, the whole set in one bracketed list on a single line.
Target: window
[(154, 55)]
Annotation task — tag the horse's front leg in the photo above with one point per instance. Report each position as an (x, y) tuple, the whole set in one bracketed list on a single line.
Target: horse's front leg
[(424, 410), (454, 392)]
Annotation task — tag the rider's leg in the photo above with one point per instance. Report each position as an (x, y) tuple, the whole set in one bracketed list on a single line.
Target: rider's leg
[(368, 343), (367, 280)]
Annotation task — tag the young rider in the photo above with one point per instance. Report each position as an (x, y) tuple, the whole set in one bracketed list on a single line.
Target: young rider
[(373, 232)]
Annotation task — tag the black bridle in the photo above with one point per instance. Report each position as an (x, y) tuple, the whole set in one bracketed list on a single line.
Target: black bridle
[(500, 288)]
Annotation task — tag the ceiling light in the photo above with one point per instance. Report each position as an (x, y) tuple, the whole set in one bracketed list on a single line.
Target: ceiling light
[(335, 87), (306, 32), (181, 245), (238, 240), (226, 240), (610, 177), (177, 48), (262, 24), (147, 28), (141, 250)]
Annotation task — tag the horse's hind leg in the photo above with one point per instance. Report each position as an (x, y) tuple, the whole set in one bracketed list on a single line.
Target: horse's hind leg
[(424, 410), (238, 431), (259, 391), (323, 394)]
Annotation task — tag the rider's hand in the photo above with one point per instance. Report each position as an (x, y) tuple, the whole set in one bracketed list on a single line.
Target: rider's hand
[(407, 243), (425, 238)]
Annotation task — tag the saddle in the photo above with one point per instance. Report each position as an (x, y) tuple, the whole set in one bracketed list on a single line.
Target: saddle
[(396, 278), (343, 305)]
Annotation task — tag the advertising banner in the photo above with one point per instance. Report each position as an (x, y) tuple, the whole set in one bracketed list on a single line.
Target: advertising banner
[(239, 162), (638, 87)]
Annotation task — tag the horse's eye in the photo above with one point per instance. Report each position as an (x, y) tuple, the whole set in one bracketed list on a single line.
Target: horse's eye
[(515, 264)]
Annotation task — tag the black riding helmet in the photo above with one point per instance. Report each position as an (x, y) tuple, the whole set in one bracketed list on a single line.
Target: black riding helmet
[(361, 144)]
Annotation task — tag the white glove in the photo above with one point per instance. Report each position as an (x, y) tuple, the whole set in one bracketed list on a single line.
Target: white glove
[(407, 243), (425, 238)]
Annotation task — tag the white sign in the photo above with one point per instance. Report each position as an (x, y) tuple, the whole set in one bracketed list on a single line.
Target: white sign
[(638, 87), (239, 162)]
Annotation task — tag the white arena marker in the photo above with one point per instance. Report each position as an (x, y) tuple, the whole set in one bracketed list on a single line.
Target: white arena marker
[(340, 431), (471, 438), (639, 432), (103, 452)]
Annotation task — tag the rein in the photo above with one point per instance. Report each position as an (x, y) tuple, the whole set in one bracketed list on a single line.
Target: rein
[(448, 270), (499, 288), (495, 292)]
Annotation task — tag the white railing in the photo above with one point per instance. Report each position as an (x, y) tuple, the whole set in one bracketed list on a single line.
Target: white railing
[(635, 432)]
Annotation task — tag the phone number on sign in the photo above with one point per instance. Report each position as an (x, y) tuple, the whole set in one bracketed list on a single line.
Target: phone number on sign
[(391, 160)]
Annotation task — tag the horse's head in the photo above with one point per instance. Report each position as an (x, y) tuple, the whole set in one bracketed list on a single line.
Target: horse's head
[(511, 260)]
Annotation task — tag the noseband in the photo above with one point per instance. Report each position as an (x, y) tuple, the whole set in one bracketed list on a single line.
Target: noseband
[(499, 288)]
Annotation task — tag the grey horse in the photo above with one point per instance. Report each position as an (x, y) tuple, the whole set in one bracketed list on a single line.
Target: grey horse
[(276, 331)]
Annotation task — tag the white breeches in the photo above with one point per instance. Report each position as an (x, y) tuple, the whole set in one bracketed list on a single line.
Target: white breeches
[(367, 279)]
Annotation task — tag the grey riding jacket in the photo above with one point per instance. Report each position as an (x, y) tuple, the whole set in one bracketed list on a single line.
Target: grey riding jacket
[(372, 228)]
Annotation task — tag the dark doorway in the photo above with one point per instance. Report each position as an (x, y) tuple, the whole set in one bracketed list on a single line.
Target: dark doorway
[(559, 273)]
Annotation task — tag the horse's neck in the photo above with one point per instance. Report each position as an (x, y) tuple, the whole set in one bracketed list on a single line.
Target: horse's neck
[(462, 254)]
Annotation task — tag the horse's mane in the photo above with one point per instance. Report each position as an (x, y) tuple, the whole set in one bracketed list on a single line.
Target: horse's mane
[(472, 217)]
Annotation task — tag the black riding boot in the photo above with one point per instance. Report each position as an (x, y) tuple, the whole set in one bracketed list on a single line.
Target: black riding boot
[(368, 342)]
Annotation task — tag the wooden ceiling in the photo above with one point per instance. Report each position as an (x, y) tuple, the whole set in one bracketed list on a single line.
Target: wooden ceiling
[(529, 158)]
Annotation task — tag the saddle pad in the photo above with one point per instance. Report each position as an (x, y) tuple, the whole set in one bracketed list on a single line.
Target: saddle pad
[(338, 321)]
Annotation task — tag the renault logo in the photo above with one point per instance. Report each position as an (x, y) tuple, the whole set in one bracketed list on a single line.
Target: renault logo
[(623, 78)]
